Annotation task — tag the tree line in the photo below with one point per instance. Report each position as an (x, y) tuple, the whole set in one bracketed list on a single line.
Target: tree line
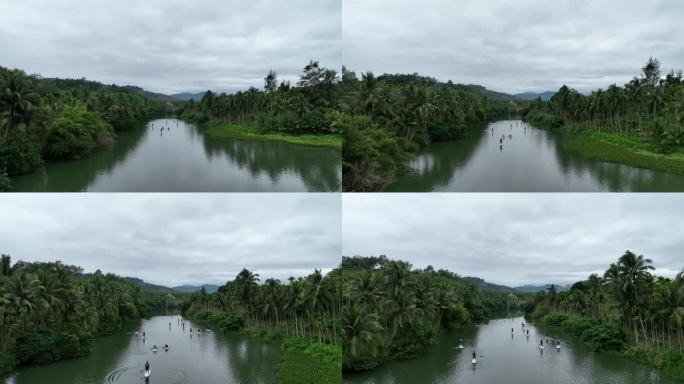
[(305, 108), (51, 311), (392, 311), (43, 119), (650, 106), (388, 118), (303, 307), (627, 308)]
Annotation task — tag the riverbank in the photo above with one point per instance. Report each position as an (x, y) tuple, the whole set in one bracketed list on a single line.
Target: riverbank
[(611, 338), (623, 149), (303, 361), (250, 132), (628, 149)]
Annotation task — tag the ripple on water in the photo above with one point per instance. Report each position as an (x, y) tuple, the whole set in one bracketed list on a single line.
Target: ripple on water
[(125, 374)]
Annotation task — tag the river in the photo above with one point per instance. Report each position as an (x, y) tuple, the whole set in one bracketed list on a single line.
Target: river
[(206, 358), (510, 156), (169, 155), (514, 359)]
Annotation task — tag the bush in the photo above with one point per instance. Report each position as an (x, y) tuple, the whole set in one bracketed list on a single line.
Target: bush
[(412, 340), (599, 336), (556, 318), (544, 120), (49, 345), (18, 154), (226, 322), (372, 156), (76, 132)]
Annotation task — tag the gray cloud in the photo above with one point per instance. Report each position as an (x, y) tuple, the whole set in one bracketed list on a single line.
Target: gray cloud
[(170, 45), (514, 45), (517, 239), (175, 239)]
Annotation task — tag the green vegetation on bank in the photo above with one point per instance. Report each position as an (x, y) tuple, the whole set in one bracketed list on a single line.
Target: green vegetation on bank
[(623, 148), (628, 310), (302, 317), (250, 132), (387, 119), (640, 124), (393, 312), (301, 114), (51, 311), (55, 119)]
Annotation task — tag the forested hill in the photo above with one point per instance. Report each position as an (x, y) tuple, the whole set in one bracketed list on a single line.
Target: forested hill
[(486, 286)]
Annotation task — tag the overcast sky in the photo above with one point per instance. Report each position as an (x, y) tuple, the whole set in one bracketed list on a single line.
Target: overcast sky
[(174, 239), (170, 45), (514, 45), (516, 239)]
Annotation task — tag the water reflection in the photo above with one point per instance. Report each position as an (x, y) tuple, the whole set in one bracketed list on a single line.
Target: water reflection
[(509, 156), (172, 156)]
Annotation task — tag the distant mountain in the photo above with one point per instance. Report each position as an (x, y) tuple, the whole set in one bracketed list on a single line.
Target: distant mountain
[(210, 288), (187, 96), (546, 96), (147, 286), (147, 94), (494, 95), (538, 288), (485, 286)]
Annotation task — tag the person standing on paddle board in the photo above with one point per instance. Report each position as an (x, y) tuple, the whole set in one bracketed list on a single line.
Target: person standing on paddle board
[(147, 366)]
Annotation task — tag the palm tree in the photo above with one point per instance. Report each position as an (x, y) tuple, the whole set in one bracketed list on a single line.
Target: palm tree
[(18, 99), (361, 333)]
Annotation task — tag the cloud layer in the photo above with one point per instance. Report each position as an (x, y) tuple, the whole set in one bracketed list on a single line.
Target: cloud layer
[(514, 45), (517, 239), (174, 239), (170, 45)]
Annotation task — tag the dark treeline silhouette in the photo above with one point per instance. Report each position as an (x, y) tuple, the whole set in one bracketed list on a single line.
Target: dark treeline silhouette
[(51, 311), (392, 311), (387, 118), (61, 118), (627, 309), (649, 107)]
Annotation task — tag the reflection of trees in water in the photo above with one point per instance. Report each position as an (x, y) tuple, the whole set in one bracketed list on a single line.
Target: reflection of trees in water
[(319, 168), (436, 168), (251, 361), (614, 177), (77, 175)]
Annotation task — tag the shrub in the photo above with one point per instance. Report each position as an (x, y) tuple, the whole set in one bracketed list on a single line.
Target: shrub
[(76, 132), (18, 154), (49, 345), (556, 318)]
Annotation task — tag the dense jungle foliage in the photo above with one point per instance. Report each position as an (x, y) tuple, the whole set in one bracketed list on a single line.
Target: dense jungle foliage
[(51, 311), (54, 119), (392, 311), (302, 315), (388, 118), (649, 108), (628, 309)]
